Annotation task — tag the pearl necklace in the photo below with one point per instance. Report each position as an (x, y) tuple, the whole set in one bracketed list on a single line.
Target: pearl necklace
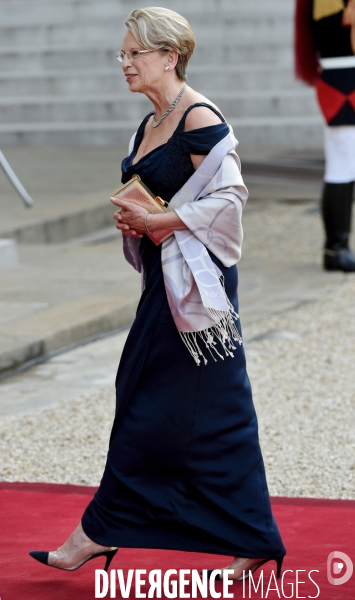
[(171, 107)]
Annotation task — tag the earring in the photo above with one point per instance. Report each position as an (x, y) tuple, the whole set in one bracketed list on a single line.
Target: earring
[(166, 68)]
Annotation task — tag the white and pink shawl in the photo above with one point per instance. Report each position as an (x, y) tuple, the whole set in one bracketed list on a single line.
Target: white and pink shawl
[(210, 204)]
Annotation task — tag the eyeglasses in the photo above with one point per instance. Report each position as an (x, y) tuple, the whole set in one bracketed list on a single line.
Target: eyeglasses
[(132, 54)]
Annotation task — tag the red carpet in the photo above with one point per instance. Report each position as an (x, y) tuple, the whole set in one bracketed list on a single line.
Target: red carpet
[(41, 516)]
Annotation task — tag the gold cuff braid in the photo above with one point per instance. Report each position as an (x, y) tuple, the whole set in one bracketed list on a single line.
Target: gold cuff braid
[(326, 8)]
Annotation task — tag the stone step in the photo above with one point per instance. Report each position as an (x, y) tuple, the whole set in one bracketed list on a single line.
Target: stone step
[(112, 107), (61, 83), (262, 29), (90, 57), (64, 227), (257, 132), (8, 254), (17, 13), (70, 187), (239, 6), (89, 81), (61, 301)]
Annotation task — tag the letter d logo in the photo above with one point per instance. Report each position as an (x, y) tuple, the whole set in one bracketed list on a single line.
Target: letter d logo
[(338, 567)]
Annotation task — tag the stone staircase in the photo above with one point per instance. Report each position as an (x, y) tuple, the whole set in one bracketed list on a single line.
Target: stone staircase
[(61, 83)]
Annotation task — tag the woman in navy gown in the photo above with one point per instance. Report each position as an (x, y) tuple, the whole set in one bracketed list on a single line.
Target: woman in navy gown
[(184, 468)]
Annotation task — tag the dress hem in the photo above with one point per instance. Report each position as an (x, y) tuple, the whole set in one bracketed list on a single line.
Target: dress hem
[(163, 540)]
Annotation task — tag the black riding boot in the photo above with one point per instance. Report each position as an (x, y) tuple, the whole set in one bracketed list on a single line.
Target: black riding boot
[(336, 210)]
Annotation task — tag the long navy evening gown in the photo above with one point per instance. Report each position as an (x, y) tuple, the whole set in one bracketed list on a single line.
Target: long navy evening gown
[(184, 468)]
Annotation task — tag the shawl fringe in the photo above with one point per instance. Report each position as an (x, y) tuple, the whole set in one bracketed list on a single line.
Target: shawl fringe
[(224, 331)]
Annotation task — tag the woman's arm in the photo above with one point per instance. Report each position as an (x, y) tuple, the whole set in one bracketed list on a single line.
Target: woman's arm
[(168, 220), (349, 21), (133, 220)]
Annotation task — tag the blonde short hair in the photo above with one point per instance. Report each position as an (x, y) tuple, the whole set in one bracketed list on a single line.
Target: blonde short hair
[(162, 29)]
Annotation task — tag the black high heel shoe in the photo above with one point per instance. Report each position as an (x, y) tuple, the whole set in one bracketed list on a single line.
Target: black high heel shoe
[(42, 557), (278, 559)]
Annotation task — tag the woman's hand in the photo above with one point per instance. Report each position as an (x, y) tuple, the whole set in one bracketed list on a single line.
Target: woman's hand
[(129, 218), (349, 21), (349, 14)]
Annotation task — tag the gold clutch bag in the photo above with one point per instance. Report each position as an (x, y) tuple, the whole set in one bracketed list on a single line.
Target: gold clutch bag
[(136, 192)]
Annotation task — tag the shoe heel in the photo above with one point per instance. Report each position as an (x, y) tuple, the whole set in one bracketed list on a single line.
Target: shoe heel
[(109, 556), (330, 260), (279, 562)]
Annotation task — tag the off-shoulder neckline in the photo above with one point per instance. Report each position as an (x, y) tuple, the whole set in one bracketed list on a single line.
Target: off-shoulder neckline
[(193, 131)]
